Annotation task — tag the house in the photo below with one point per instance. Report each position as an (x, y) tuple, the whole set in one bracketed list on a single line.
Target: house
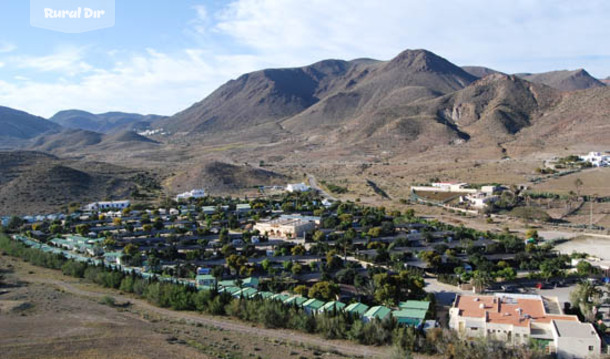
[(597, 159), (242, 208), (246, 293), (311, 306), (195, 193), (411, 312), (203, 270), (357, 308), (378, 312), (205, 281), (449, 186), (519, 318), (251, 282), (265, 294), (297, 187), (96, 206), (575, 340), (333, 306), (296, 300), (286, 227), (279, 297), (479, 199)]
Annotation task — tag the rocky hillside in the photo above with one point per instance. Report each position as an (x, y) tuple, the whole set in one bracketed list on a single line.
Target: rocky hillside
[(22, 125), (103, 122), (564, 80)]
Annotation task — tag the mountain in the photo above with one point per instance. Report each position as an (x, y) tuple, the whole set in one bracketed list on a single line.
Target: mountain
[(74, 141), (326, 92), (480, 71), (103, 122), (35, 182), (22, 125), (565, 80)]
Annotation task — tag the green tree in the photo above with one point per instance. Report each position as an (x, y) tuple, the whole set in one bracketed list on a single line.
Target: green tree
[(480, 280), (324, 290), (585, 297)]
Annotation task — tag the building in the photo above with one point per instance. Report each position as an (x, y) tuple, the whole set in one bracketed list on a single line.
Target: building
[(312, 306), (379, 312), (597, 159), (97, 206), (333, 306), (194, 193), (286, 227), (518, 319), (445, 187), (575, 340), (479, 200), (205, 281), (357, 309), (297, 187), (411, 312), (242, 208)]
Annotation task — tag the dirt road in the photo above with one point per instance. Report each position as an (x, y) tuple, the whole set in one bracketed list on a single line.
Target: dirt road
[(347, 348)]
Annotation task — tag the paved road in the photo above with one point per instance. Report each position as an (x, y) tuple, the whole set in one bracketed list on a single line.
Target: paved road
[(348, 348), (314, 184)]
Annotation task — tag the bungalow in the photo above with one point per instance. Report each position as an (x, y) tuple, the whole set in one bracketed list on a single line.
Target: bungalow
[(378, 312), (195, 193), (410, 316), (279, 297), (296, 300), (265, 294), (333, 306), (297, 187), (96, 206), (357, 308), (312, 306), (246, 293), (205, 281), (242, 208)]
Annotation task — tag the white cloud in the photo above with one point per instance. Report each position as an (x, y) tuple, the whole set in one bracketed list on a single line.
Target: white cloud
[(514, 35), (68, 61), (246, 35)]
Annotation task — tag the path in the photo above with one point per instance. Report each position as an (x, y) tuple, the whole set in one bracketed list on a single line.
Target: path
[(348, 348), (314, 184)]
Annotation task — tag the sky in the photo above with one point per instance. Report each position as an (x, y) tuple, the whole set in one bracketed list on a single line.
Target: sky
[(161, 56)]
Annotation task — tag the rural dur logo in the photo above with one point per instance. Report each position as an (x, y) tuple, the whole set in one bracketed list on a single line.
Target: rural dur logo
[(72, 16)]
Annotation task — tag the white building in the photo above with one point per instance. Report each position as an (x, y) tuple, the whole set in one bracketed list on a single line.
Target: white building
[(286, 227), (517, 318), (575, 340), (195, 193), (96, 206), (597, 159), (297, 187), (479, 200)]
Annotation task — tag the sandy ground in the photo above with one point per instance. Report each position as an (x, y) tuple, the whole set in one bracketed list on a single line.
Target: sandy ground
[(596, 246), (44, 314)]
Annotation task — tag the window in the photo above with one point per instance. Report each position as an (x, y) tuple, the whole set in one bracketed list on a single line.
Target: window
[(590, 348)]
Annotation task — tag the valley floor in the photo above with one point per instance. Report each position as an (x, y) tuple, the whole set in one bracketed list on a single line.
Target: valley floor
[(44, 314)]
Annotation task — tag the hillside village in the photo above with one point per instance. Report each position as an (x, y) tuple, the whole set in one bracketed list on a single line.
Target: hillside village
[(323, 258)]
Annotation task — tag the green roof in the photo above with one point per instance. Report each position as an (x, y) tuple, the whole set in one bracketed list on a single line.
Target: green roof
[(265, 295), (205, 277), (314, 304), (414, 304), (410, 313), (297, 299), (227, 283), (246, 292), (251, 282), (230, 290), (357, 308), (280, 297), (334, 305), (379, 312)]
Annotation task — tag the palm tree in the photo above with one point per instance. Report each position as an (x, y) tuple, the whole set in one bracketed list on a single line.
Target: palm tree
[(480, 281)]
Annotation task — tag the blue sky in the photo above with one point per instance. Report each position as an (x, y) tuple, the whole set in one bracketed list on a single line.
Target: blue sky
[(163, 55)]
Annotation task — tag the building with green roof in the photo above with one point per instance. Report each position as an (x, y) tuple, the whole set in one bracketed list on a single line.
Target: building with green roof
[(265, 294), (296, 300), (205, 281), (411, 317), (332, 306), (245, 293), (279, 296), (378, 312), (357, 308), (414, 304), (311, 306)]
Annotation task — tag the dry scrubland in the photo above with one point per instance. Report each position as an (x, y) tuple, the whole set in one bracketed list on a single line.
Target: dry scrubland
[(44, 314)]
